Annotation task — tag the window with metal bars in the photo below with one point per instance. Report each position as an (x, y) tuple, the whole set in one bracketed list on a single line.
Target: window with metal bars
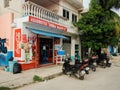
[(74, 18), (66, 13)]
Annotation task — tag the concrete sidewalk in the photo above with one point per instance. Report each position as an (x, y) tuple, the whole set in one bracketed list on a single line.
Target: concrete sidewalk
[(8, 79)]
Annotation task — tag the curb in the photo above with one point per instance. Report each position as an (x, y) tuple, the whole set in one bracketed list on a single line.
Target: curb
[(52, 76), (49, 77)]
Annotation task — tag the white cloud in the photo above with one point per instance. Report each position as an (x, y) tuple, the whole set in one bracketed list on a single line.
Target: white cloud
[(86, 3), (116, 11)]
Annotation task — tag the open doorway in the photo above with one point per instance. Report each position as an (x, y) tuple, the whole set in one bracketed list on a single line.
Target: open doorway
[(46, 51)]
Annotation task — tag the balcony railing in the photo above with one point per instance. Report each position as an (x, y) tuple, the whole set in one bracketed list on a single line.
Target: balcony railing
[(33, 9)]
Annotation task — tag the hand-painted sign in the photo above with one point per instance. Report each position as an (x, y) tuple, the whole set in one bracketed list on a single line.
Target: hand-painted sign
[(46, 23), (24, 38), (3, 49), (17, 37), (2, 60), (3, 52)]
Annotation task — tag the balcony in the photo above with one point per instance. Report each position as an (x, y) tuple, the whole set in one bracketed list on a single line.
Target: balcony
[(32, 9)]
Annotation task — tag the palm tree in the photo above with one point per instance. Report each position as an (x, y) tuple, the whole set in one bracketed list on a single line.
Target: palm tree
[(108, 4)]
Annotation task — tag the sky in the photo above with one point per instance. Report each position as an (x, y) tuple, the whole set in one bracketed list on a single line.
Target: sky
[(116, 11), (86, 3), (86, 6)]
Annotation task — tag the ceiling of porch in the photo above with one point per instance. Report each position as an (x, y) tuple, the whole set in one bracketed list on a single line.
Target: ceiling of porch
[(45, 2), (76, 3)]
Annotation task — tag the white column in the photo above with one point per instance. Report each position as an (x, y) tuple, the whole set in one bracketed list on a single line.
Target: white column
[(79, 43), (61, 43), (72, 46)]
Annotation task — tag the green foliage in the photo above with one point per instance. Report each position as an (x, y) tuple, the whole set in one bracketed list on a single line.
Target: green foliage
[(4, 88), (37, 78), (97, 27), (108, 4)]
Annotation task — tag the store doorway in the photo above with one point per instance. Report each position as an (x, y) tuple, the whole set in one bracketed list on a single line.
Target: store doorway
[(46, 51)]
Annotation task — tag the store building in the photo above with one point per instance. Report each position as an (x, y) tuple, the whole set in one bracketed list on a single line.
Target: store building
[(35, 34)]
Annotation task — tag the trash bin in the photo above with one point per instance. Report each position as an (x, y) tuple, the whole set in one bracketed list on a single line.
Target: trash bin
[(11, 64)]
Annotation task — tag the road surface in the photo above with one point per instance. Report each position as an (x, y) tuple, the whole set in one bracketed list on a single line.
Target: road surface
[(102, 79)]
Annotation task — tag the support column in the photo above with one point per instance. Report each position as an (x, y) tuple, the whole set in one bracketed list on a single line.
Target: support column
[(37, 53), (72, 46)]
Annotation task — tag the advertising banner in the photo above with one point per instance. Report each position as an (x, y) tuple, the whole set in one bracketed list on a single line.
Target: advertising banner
[(17, 41), (47, 23)]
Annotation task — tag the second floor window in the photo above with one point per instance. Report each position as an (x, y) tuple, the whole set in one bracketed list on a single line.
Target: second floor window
[(65, 13), (74, 18)]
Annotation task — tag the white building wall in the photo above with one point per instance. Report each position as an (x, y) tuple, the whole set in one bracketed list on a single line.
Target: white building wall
[(28, 33), (19, 24), (71, 30), (73, 46), (78, 41), (65, 5)]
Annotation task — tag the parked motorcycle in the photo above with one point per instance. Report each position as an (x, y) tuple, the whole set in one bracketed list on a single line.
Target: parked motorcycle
[(84, 64), (88, 64), (92, 63), (75, 70), (103, 60)]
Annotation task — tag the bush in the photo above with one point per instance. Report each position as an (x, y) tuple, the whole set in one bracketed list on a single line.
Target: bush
[(4, 88), (37, 78)]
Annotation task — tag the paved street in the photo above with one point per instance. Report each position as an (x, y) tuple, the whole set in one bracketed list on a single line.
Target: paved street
[(102, 79)]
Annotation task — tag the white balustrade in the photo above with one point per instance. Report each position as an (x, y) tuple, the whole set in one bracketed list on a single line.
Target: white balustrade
[(30, 8)]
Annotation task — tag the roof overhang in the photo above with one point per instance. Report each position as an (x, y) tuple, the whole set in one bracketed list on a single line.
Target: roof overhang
[(36, 31), (76, 3)]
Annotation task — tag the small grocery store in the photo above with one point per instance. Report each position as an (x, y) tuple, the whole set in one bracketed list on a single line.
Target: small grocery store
[(34, 42)]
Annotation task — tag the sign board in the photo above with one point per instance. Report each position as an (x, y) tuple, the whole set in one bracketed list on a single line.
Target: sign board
[(57, 47), (61, 52), (17, 40), (46, 23)]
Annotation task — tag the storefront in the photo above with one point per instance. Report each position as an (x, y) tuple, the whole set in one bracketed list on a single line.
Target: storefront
[(35, 42)]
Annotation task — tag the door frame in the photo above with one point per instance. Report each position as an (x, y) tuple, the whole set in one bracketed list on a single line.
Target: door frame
[(40, 48)]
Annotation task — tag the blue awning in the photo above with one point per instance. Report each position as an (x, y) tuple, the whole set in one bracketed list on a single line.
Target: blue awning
[(36, 31)]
